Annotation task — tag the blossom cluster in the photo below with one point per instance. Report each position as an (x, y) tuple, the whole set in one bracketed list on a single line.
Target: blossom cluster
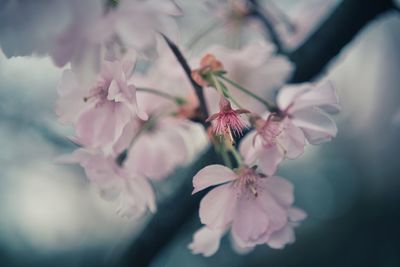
[(250, 201), (134, 128)]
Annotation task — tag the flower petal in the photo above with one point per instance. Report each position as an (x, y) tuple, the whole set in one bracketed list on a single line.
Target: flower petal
[(212, 175), (316, 125), (218, 206), (280, 238), (292, 140), (206, 241), (269, 159), (250, 223), (280, 188)]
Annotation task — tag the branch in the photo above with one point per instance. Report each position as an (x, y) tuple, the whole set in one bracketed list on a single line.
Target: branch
[(256, 12), (172, 215), (188, 71), (339, 29), (334, 33)]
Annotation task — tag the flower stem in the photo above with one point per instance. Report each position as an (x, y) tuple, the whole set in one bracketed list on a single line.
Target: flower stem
[(248, 92), (236, 155), (225, 157), (177, 100)]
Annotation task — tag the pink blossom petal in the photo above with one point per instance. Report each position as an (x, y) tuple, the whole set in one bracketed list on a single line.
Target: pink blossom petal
[(269, 159), (206, 241), (246, 148), (293, 141), (280, 238), (316, 125), (70, 105), (251, 222), (296, 214), (238, 246), (280, 188), (218, 206), (307, 95), (289, 94), (102, 125), (272, 206), (212, 175)]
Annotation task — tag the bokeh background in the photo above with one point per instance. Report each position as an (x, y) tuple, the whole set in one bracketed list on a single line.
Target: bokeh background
[(350, 187)]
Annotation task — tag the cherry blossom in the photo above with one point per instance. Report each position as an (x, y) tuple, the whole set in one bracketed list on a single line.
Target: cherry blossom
[(137, 22), (101, 111), (164, 132), (133, 192), (85, 33), (168, 143), (227, 120), (206, 241), (255, 208), (274, 139), (306, 105)]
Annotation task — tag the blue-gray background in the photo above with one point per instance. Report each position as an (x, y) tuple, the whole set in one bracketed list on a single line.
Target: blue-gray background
[(50, 216)]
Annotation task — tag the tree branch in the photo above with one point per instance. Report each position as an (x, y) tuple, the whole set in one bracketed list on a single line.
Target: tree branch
[(311, 58), (171, 216), (334, 33), (188, 71), (256, 11)]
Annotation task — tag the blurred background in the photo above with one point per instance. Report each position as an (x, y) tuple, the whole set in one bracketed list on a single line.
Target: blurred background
[(350, 187)]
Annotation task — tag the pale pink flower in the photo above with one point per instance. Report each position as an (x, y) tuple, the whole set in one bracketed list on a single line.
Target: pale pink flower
[(206, 241), (306, 105), (254, 207), (274, 139), (137, 23), (133, 192), (99, 112), (83, 32), (164, 142), (256, 67), (168, 143), (227, 121)]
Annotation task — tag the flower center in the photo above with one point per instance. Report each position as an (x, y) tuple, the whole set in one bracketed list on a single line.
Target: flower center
[(98, 93), (248, 182), (270, 130)]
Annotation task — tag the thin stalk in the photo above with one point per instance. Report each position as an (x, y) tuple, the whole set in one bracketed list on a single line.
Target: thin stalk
[(236, 155), (248, 92), (176, 99), (225, 157)]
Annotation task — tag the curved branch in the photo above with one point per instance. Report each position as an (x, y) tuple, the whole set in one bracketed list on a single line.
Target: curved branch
[(312, 57), (197, 88)]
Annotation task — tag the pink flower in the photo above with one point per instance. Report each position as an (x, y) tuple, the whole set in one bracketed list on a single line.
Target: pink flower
[(254, 207), (137, 23), (99, 112), (274, 139), (227, 120), (168, 143), (206, 241), (306, 106), (133, 192)]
